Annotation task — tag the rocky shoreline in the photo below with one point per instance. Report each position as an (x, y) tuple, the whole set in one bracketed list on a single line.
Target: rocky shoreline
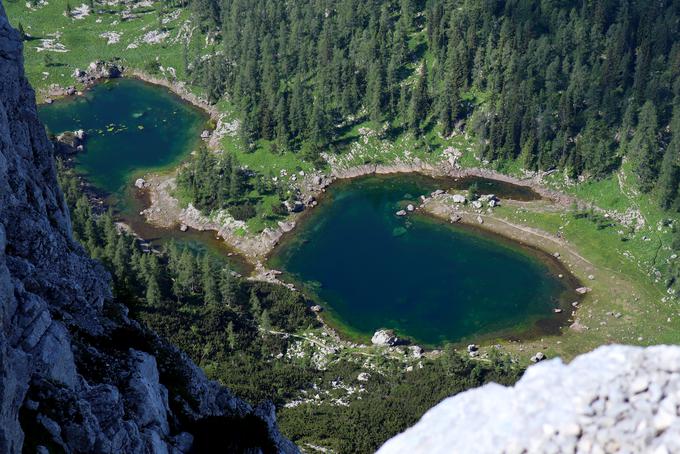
[(165, 211)]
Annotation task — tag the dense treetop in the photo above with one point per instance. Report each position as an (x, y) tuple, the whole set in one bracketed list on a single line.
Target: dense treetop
[(575, 84)]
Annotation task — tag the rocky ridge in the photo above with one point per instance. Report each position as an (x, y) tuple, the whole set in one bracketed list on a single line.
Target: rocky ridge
[(77, 374), (614, 399)]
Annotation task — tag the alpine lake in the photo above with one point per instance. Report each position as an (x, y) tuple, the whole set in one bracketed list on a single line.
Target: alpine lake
[(428, 280)]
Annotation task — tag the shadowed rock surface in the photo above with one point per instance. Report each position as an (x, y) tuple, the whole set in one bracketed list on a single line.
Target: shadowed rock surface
[(76, 374), (614, 399)]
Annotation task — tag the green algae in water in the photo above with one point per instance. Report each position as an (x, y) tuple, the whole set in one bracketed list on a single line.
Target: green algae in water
[(437, 283), (127, 133)]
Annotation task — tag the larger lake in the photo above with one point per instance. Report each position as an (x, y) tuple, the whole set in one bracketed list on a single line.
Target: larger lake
[(428, 280)]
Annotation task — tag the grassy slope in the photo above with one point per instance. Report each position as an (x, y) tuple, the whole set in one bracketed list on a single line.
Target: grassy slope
[(625, 282)]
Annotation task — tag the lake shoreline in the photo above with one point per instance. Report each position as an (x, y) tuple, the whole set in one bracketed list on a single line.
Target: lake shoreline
[(256, 249)]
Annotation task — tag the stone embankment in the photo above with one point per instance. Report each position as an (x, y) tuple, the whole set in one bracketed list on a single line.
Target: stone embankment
[(614, 399)]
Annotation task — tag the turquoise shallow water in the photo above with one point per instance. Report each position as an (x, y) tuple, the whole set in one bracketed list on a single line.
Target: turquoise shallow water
[(131, 127), (429, 280)]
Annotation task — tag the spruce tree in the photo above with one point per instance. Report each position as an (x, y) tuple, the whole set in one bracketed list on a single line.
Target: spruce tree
[(255, 306), (419, 103), (208, 280), (645, 148), (669, 176), (153, 292)]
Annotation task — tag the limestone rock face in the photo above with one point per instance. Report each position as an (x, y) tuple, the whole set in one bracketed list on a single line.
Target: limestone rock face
[(77, 374), (614, 399)]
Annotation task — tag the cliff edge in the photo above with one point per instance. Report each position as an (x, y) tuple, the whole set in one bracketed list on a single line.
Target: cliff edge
[(613, 399), (76, 374)]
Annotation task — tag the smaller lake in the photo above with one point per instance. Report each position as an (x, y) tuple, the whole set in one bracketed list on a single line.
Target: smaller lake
[(429, 280), (131, 127)]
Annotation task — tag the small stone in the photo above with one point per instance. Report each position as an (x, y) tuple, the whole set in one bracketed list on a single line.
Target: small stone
[(663, 420), (639, 384)]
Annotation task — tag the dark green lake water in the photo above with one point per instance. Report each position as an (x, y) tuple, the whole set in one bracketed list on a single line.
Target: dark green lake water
[(428, 280), (132, 127)]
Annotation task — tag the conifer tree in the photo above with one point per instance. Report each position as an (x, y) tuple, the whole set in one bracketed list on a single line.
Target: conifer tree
[(645, 147)]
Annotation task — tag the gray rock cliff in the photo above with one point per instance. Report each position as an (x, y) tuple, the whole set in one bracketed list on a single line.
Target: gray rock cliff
[(614, 399), (76, 374)]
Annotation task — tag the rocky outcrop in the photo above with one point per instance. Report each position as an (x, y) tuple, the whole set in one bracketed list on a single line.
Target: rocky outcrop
[(69, 142), (385, 338), (76, 373), (614, 399), (97, 70)]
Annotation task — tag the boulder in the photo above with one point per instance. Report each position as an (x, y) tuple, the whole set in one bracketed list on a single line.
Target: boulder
[(416, 351), (205, 134), (183, 228), (583, 290), (538, 357), (477, 204), (459, 198), (363, 376), (472, 348), (384, 338), (140, 183), (480, 220), (401, 213), (295, 206), (316, 308), (410, 207)]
